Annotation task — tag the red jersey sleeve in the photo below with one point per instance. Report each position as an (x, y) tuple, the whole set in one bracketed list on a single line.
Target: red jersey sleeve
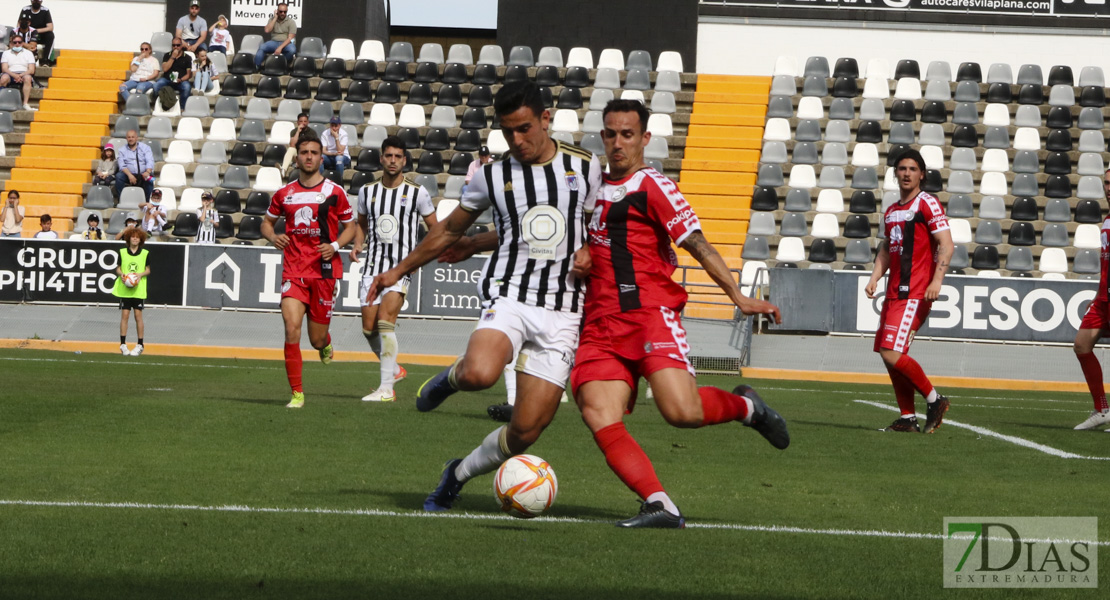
[(935, 219), (276, 210), (343, 205), (669, 207)]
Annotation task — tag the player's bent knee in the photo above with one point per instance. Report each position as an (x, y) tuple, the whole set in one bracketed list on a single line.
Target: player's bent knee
[(477, 377), (684, 416), (520, 439)]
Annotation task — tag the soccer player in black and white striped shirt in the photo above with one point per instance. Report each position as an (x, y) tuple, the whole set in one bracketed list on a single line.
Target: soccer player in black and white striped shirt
[(533, 285), (389, 213)]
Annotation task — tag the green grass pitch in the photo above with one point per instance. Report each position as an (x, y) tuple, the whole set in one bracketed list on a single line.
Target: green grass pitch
[(154, 477)]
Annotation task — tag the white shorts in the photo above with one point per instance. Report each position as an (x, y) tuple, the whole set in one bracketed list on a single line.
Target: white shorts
[(401, 287), (544, 339)]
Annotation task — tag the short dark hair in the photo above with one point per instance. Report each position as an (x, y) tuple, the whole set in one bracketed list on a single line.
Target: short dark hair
[(393, 141), (513, 96), (13, 193), (305, 115), (309, 135), (628, 106), (45, 219), (913, 155)]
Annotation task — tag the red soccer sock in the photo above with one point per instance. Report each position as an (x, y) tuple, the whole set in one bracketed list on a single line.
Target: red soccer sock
[(293, 366), (1092, 372), (903, 391), (719, 406), (627, 459), (912, 371)]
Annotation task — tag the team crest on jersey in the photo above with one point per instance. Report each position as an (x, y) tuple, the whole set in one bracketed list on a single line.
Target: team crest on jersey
[(286, 285), (572, 181), (489, 314), (320, 198), (620, 193), (647, 347), (303, 216), (404, 199)]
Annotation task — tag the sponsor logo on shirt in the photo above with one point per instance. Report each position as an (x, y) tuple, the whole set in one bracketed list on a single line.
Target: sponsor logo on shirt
[(681, 217), (627, 288), (303, 216)]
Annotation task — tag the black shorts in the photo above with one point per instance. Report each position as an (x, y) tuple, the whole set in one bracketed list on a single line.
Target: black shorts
[(131, 303)]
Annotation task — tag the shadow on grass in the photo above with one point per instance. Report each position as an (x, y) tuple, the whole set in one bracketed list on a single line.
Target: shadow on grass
[(826, 424), (366, 585)]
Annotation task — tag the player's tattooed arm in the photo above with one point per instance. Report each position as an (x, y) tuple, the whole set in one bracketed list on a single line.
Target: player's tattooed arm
[(718, 271), (944, 258), (468, 246)]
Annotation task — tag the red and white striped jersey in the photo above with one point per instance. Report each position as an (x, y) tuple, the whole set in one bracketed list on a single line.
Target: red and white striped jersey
[(908, 229)]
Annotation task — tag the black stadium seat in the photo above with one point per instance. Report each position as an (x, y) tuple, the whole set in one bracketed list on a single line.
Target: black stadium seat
[(257, 203), (460, 163), (437, 139), (474, 118), (275, 65), (547, 75), (1058, 140), (1061, 75), (365, 70), (1057, 163), (242, 64), (516, 74), (570, 98), (410, 136), (964, 136), (969, 71), (369, 160), (933, 182), (577, 77), (387, 93), (235, 85), (1092, 95), (334, 68), (862, 202), (934, 111), (1031, 94), (468, 140), (1059, 117), (822, 251), (450, 94), (1088, 211), (396, 71), (857, 226), (361, 178), (907, 68), (426, 72), (420, 93), (765, 198), (1024, 209), (846, 67), (227, 201), (225, 228), (484, 75), (903, 110), (1000, 93), (455, 73), (186, 224), (298, 89), (273, 155), (304, 66), (431, 162), (869, 132), (845, 87), (984, 258), (358, 91), (243, 154), (329, 90), (480, 96), (1022, 234)]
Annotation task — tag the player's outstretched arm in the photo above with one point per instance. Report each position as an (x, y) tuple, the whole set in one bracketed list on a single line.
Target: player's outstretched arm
[(718, 271), (469, 245), (442, 235), (944, 257), (882, 263)]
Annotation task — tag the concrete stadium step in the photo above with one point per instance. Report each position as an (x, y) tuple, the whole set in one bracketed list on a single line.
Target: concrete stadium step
[(55, 174), (87, 73), (685, 260), (91, 85), (45, 187), (735, 120), (724, 154), (64, 152), (730, 213), (735, 200), (720, 165), (736, 179), (71, 129), (729, 98), (82, 94), (702, 311), (68, 164), (712, 189), (724, 131), (40, 199), (42, 139), (78, 106), (724, 82), (56, 116)]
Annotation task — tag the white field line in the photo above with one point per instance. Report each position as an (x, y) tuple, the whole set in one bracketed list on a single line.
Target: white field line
[(369, 512), (988, 433), (887, 394)]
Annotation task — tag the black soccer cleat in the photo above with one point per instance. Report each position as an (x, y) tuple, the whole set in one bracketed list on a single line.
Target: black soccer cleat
[(501, 412), (445, 494), (934, 414), (653, 516), (905, 425), (765, 419)]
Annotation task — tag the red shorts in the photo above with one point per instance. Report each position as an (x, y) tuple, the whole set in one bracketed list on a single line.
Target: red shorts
[(317, 294), (1096, 315), (630, 345), (899, 321)]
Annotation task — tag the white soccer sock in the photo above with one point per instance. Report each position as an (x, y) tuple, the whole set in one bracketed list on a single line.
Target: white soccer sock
[(932, 397), (389, 353), (375, 341), (485, 458), (666, 500), (510, 382)]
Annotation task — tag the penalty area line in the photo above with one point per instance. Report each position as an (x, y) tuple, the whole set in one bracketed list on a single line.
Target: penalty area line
[(370, 512), (1024, 443)]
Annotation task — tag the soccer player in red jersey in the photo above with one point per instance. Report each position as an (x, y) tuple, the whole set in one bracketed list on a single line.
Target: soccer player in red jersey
[(916, 250), (1094, 326), (313, 207), (632, 327)]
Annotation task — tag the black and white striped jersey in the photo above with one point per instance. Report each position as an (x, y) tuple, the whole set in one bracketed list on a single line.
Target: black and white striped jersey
[(539, 213), (393, 218)]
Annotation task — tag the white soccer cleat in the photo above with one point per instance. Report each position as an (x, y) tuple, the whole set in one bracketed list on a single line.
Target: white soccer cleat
[(123, 349), (138, 350), (1096, 419), (380, 395)]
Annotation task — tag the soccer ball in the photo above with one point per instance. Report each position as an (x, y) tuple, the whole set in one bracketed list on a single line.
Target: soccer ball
[(525, 486), (131, 280)]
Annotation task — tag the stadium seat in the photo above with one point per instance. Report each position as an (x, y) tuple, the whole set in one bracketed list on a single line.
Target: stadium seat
[(938, 91), (1057, 210), (1000, 93), (1061, 75), (330, 90), (988, 232), (816, 66), (992, 207), (1031, 94), (839, 109), (903, 110), (171, 175), (189, 128), (180, 152), (460, 54), (805, 153), (430, 162), (516, 74), (1092, 141), (480, 96), (764, 198), (396, 71), (226, 108), (965, 136), (99, 198), (227, 202), (250, 228), (1053, 260), (1057, 163), (1000, 73), (959, 206), (491, 54), (798, 200), (550, 56), (190, 197), (157, 128), (960, 182), (311, 47), (933, 182), (790, 250), (1085, 261), (186, 224), (908, 88), (1019, 259), (869, 132), (934, 112), (1088, 211), (965, 113), (755, 248), (834, 153), (857, 252), (242, 64), (967, 91), (822, 251), (877, 89), (762, 223), (257, 203), (1090, 163), (1059, 117), (1058, 140), (1022, 234), (994, 184), (276, 66), (963, 159), (1030, 74), (251, 131), (1055, 235), (243, 154), (137, 105), (785, 65), (1056, 186), (638, 79), (657, 147), (401, 51), (985, 257), (996, 115), (132, 196), (865, 178), (969, 71)]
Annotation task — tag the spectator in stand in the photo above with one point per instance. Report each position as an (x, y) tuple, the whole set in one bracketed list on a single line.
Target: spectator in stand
[(209, 219), (221, 37), (192, 28), (130, 222), (46, 233), (154, 214), (484, 158), (18, 66), (283, 31), (43, 23), (30, 36), (12, 216), (136, 165), (105, 171), (291, 151), (94, 232), (177, 72), (145, 70), (205, 72), (336, 155)]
